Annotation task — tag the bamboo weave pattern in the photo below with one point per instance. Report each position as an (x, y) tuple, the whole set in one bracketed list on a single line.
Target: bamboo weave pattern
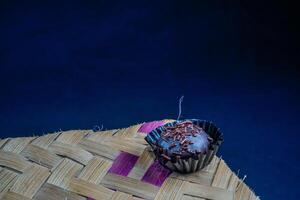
[(115, 164)]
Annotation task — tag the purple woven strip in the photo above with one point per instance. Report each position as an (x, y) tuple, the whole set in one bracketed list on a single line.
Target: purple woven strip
[(156, 174), (123, 164), (148, 127)]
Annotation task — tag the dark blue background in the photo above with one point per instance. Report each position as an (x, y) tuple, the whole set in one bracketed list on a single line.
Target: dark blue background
[(75, 65)]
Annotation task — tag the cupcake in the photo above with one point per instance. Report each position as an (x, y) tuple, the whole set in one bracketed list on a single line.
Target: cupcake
[(185, 146)]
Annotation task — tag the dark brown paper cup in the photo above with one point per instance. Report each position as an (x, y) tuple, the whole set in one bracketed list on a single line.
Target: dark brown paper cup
[(193, 163)]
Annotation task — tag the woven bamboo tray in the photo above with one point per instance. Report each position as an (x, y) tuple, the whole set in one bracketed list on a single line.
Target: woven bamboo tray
[(115, 164)]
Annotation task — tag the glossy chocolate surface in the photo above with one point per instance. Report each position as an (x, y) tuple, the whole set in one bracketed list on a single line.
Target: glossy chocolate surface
[(183, 139)]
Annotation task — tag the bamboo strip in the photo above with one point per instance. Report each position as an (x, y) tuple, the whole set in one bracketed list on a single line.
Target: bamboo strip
[(14, 196), (30, 181), (8, 178), (75, 153), (3, 142), (41, 156), (243, 192), (95, 170), (200, 177), (130, 185), (222, 176), (72, 137), (90, 190), (206, 192), (99, 149), (52, 192), (64, 172), (101, 136), (121, 196), (142, 164), (13, 161), (45, 140), (171, 189), (17, 144), (186, 197)]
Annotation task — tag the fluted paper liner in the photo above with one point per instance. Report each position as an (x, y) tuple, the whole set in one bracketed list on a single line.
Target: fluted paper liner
[(192, 163)]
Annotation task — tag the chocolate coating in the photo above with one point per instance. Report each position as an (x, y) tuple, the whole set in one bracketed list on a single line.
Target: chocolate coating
[(183, 139)]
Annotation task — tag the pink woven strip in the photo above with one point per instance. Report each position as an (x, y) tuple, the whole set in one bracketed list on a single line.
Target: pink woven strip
[(123, 164), (148, 127), (156, 174)]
